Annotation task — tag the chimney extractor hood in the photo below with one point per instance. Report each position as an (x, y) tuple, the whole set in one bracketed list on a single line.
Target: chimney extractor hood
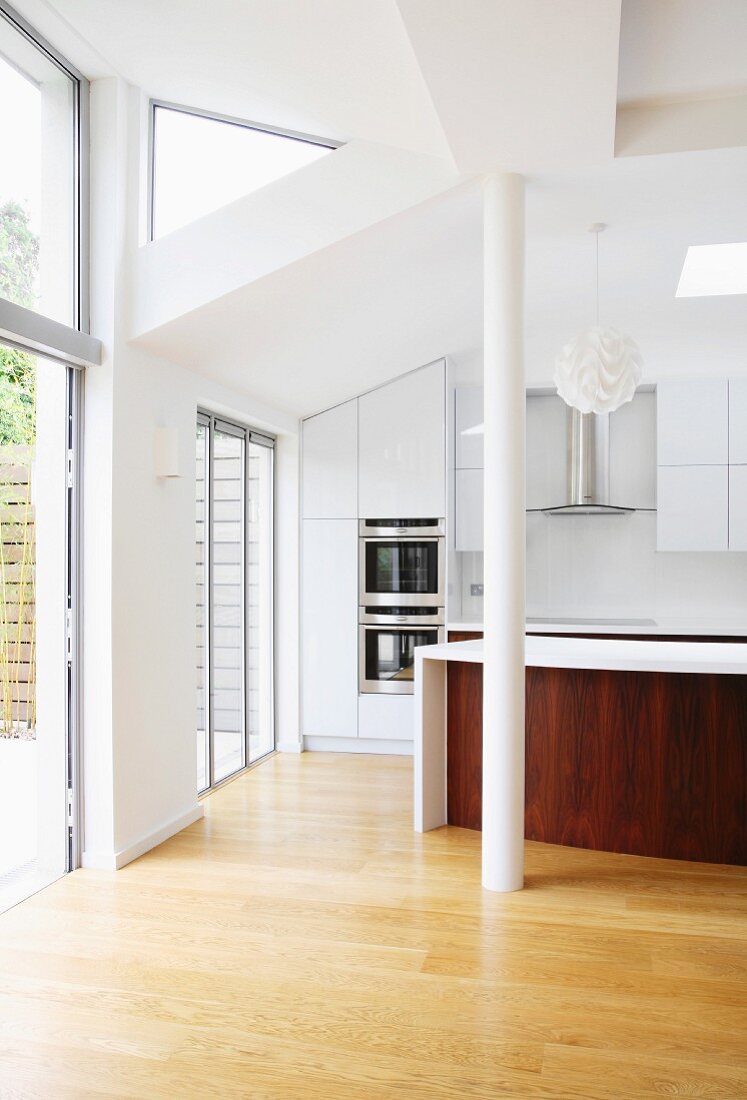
[(588, 468)]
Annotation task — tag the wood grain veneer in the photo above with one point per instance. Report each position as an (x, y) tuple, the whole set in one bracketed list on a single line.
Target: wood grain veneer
[(644, 763)]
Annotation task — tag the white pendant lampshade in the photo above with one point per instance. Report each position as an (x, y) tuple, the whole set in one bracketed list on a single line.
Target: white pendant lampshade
[(599, 370)]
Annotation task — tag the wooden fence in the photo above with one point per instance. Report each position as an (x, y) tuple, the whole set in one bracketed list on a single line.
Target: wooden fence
[(17, 594)]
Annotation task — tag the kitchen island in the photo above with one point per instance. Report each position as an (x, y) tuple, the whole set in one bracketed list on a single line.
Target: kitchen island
[(632, 745)]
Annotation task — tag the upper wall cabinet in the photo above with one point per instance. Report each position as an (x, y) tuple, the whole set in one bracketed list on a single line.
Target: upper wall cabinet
[(402, 447), (546, 449), (738, 422), (693, 508), (692, 423), (330, 464), (469, 415), (633, 453)]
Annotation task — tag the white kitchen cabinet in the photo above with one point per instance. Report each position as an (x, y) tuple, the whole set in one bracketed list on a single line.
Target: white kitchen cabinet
[(402, 447), (547, 427), (468, 415), (330, 464), (738, 507), (633, 453), (693, 508), (329, 628), (469, 510), (386, 717), (738, 421), (692, 423)]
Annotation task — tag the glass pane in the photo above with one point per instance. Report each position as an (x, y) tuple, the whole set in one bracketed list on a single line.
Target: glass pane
[(390, 653), (259, 603), (33, 587), (227, 610), (201, 563), (36, 179), (201, 164), (410, 567)]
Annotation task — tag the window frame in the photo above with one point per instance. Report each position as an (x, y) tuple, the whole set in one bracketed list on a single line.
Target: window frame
[(213, 116), (81, 244), (212, 421), (74, 348)]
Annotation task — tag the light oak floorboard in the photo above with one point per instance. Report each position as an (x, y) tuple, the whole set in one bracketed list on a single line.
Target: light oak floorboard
[(303, 941)]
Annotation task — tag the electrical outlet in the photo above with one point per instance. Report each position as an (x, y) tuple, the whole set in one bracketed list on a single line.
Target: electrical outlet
[(477, 590)]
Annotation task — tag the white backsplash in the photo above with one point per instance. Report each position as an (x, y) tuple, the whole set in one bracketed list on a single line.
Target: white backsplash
[(608, 566)]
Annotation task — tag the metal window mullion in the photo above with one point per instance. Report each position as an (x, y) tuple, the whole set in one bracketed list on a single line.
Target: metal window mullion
[(209, 498), (245, 598), (271, 600), (73, 586)]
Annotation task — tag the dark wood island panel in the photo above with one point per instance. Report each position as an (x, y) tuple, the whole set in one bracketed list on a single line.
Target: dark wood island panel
[(647, 763)]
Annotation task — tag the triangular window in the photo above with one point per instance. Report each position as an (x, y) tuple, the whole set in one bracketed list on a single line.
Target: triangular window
[(202, 162)]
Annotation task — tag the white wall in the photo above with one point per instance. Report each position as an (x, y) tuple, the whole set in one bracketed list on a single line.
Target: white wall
[(139, 755)]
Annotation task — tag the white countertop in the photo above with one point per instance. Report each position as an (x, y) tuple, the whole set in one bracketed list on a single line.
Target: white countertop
[(686, 627), (606, 653)]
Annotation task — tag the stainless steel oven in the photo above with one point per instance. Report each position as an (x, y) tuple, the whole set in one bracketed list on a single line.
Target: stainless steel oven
[(387, 656), (402, 570)]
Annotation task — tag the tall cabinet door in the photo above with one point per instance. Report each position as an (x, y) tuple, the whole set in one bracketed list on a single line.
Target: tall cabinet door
[(330, 464), (329, 581), (402, 452)]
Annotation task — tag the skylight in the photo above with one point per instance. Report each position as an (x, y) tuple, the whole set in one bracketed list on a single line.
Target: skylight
[(711, 269), (201, 163)]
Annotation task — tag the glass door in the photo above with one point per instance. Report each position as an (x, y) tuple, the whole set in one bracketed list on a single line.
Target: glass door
[(387, 657), (407, 571), (234, 562), (36, 513)]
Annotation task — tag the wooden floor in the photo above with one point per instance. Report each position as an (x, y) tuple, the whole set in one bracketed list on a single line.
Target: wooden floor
[(302, 941)]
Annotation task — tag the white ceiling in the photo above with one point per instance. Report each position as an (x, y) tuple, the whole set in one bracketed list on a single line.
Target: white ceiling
[(682, 49), (348, 317), (336, 68), (410, 289), (522, 85), (529, 85), (654, 207)]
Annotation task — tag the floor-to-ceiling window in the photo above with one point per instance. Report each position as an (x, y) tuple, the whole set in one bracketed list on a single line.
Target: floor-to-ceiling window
[(43, 342), (234, 553)]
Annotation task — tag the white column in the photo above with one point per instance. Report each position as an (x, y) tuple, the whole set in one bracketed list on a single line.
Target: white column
[(504, 505)]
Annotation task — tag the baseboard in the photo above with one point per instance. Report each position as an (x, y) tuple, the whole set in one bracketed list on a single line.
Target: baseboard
[(358, 744), (113, 861), (289, 746)]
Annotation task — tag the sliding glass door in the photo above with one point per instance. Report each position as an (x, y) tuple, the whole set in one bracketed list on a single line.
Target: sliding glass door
[(234, 494), (37, 548), (43, 321)]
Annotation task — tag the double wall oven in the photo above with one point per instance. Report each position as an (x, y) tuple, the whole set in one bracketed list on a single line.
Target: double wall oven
[(402, 574)]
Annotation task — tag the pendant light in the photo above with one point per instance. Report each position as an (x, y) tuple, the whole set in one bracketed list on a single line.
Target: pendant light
[(599, 370)]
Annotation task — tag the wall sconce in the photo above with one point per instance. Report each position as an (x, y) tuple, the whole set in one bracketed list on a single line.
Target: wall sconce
[(166, 452)]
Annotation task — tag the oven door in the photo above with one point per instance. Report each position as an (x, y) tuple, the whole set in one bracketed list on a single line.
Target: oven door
[(402, 572), (387, 657)]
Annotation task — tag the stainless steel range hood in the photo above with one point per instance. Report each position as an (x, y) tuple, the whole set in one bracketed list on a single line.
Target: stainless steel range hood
[(588, 468)]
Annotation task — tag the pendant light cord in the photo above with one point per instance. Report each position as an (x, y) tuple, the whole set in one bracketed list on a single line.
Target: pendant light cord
[(596, 234)]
